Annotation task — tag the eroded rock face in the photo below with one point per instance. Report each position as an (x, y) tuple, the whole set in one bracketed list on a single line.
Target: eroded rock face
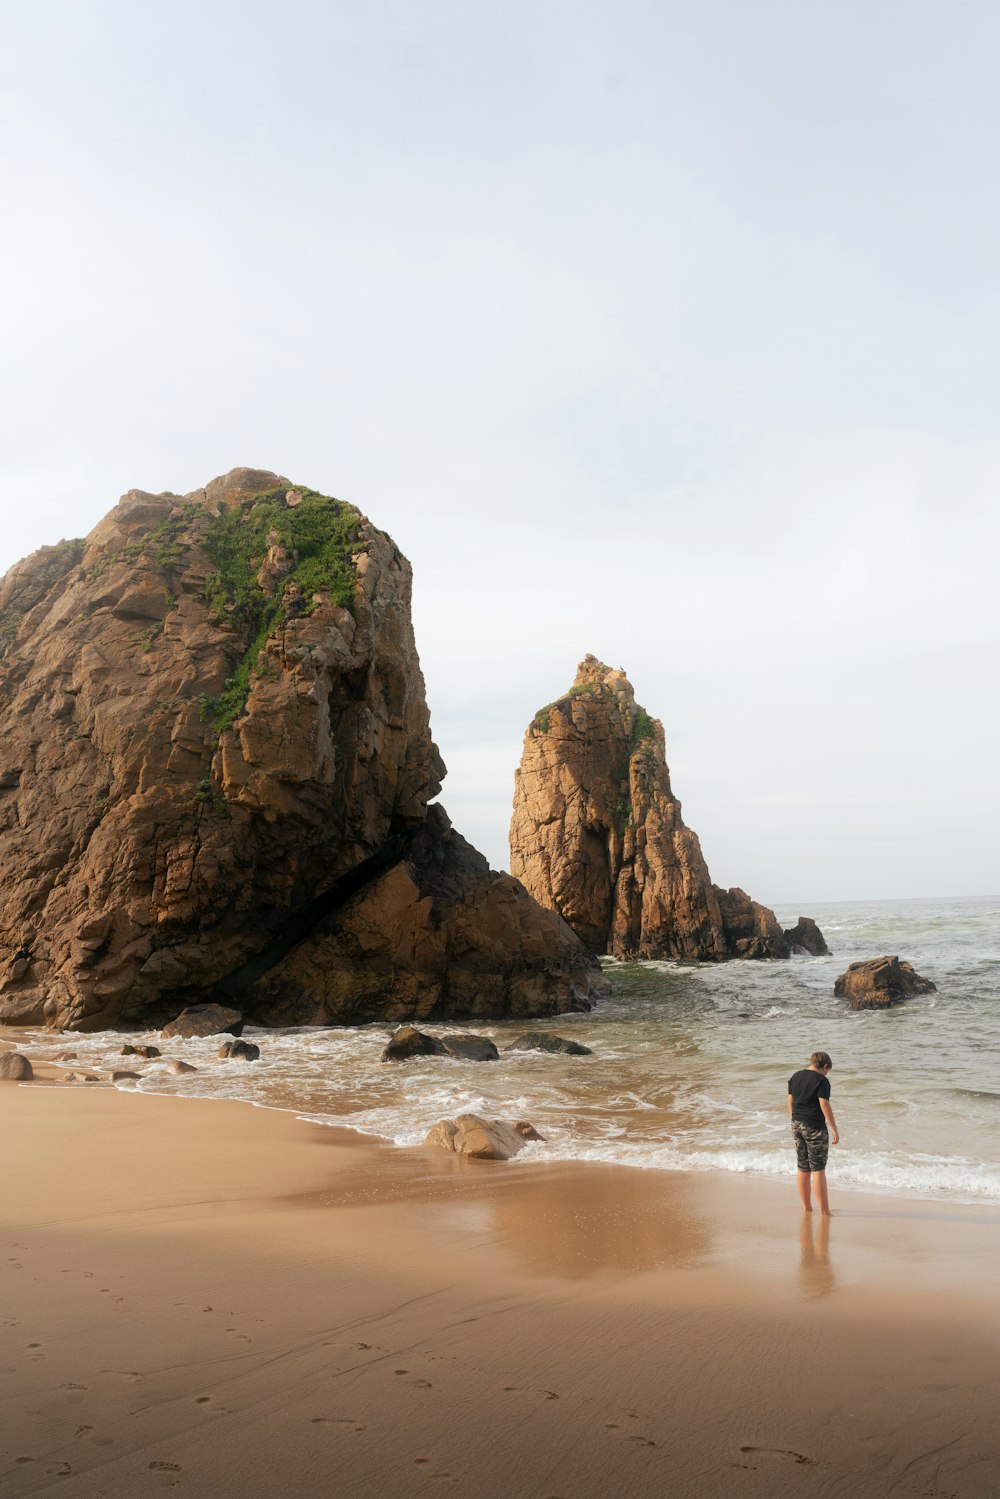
[(439, 935), (597, 835), (215, 771), (876, 983)]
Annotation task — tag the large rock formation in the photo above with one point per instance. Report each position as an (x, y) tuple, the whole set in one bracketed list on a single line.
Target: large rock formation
[(597, 835), (215, 774)]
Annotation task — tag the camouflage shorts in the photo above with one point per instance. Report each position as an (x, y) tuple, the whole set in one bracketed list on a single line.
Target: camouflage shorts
[(812, 1146)]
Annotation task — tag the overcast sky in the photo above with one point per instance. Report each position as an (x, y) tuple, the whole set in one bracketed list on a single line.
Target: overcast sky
[(667, 331)]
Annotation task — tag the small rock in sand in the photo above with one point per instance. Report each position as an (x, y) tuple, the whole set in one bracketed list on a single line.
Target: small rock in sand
[(14, 1067)]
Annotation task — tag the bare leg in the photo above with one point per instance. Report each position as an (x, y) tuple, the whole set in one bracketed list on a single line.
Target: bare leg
[(805, 1182), (821, 1196)]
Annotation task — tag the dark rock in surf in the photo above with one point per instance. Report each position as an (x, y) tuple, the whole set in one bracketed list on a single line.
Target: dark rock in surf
[(149, 1052), (470, 1048), (806, 937), (877, 983), (548, 1041), (239, 1051), (205, 1020), (409, 1042)]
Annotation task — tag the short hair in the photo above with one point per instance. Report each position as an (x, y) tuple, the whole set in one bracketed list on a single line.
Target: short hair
[(820, 1059)]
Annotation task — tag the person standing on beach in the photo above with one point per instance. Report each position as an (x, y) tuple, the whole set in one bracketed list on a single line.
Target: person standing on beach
[(810, 1112)]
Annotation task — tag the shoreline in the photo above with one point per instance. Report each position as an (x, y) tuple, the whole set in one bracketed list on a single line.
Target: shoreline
[(48, 1072), (208, 1297)]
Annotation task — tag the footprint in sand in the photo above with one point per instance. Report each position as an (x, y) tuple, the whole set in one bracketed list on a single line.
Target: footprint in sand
[(22, 1460), (72, 1385), (60, 1470), (513, 1389), (797, 1457), (351, 1421), (165, 1468), (82, 1431)]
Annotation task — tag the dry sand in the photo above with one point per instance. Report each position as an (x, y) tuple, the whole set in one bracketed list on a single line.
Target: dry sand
[(218, 1300)]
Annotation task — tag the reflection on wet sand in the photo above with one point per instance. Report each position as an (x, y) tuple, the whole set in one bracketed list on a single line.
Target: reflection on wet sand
[(816, 1273), (567, 1220), (578, 1221)]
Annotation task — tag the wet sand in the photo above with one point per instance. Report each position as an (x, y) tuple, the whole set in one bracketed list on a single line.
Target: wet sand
[(216, 1299)]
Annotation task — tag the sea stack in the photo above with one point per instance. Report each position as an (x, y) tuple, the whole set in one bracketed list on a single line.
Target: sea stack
[(597, 835), (216, 778)]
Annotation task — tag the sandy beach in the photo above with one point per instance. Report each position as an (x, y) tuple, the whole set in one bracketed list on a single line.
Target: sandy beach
[(217, 1299)]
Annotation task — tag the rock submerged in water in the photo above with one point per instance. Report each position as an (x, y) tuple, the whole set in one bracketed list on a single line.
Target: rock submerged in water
[(597, 835), (409, 1042), (236, 821), (548, 1041), (178, 1068), (15, 1067), (239, 1051), (876, 983), (204, 1020), (481, 1139)]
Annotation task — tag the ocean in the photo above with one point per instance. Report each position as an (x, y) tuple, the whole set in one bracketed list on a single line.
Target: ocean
[(690, 1063)]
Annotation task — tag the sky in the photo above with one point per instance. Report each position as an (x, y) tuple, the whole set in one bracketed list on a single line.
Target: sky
[(665, 331)]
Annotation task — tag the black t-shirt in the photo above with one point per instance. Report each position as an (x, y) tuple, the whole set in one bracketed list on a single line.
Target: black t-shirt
[(807, 1088)]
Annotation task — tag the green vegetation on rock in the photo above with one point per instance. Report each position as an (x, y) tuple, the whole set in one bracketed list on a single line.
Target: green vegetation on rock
[(642, 727), (318, 535)]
